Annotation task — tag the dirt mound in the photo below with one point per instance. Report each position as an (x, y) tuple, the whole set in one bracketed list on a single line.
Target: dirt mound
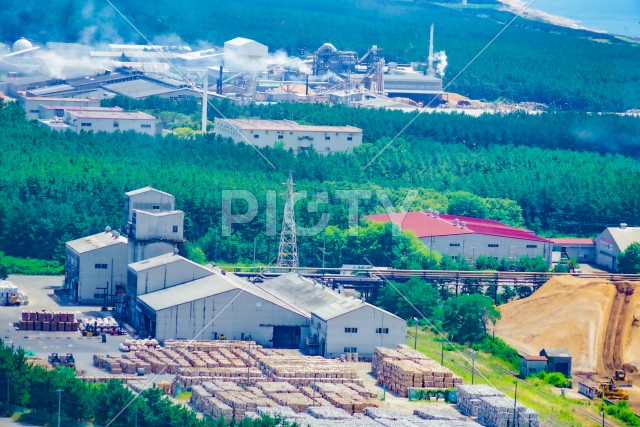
[(596, 320)]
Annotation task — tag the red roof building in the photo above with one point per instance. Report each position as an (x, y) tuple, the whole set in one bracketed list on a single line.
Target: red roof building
[(468, 237)]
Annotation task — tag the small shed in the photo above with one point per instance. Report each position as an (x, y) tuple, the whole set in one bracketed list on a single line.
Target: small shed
[(532, 365), (559, 360)]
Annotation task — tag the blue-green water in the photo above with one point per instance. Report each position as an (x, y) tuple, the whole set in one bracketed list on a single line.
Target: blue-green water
[(620, 17)]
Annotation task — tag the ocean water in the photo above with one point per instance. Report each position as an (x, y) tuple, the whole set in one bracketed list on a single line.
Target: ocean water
[(621, 17)]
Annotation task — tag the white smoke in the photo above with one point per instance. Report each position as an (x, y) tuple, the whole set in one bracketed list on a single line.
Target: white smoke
[(440, 62), (69, 63), (281, 58)]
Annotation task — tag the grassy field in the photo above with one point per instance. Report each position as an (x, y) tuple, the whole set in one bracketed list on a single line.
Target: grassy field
[(554, 410)]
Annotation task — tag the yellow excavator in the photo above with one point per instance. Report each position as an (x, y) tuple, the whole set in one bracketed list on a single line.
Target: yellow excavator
[(611, 390)]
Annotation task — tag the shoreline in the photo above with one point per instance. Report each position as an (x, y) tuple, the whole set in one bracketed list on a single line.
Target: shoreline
[(515, 6)]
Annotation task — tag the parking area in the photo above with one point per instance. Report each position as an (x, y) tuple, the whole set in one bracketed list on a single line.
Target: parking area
[(40, 292)]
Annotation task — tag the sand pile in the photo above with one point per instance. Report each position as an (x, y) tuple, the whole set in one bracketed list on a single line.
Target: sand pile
[(595, 319)]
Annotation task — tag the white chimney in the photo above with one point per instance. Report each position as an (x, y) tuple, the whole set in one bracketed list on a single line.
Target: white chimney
[(623, 225), (107, 229), (463, 224), (436, 214), (456, 221), (430, 70)]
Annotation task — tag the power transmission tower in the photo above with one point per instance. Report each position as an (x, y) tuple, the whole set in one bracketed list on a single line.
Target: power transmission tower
[(288, 251)]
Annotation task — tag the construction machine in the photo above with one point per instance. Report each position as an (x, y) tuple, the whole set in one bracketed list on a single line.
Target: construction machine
[(621, 380), (69, 361), (13, 300), (54, 360), (610, 390)]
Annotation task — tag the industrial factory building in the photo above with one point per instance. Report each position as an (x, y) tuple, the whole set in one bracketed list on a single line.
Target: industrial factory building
[(152, 226), (31, 105), (108, 121), (612, 242), (469, 238), (95, 265), (286, 312), (269, 133), (242, 54)]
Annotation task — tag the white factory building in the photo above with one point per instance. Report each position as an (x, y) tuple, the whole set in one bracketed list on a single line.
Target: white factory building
[(152, 227), (111, 121), (177, 299), (31, 105), (289, 134), (241, 54), (95, 265), (612, 242), (469, 238)]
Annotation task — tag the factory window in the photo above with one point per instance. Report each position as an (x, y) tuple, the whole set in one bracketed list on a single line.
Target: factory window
[(85, 125), (349, 138), (156, 207), (175, 228), (101, 266), (532, 246), (58, 113), (145, 126), (34, 111), (116, 124), (256, 136), (350, 330), (173, 98), (327, 138), (280, 136), (350, 350), (98, 296), (454, 244), (382, 330), (493, 245)]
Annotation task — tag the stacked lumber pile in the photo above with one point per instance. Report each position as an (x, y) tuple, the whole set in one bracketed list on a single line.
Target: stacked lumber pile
[(305, 370), (469, 397), (498, 411), (228, 399), (127, 364), (328, 413), (48, 321), (344, 397), (98, 379), (40, 362), (446, 413), (405, 368), (101, 325), (133, 345)]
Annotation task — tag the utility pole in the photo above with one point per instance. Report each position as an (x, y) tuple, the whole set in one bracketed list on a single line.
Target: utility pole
[(442, 349), (248, 363), (473, 365), (515, 402), (415, 336), (59, 404), (8, 395), (255, 243)]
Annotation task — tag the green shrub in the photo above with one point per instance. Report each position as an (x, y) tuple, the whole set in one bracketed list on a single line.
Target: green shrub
[(500, 349), (30, 266)]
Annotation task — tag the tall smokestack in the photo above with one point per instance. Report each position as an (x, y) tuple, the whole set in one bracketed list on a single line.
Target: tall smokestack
[(306, 87), (205, 100), (430, 70)]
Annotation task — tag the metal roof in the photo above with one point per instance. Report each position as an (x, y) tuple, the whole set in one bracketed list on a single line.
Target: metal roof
[(60, 99), (571, 241), (426, 225), (241, 41), (119, 115), (284, 125), (95, 241), (51, 89), (146, 189), (311, 297), (624, 236), (555, 352), (529, 358), (215, 284), (67, 108), (159, 261), (187, 292), (141, 88)]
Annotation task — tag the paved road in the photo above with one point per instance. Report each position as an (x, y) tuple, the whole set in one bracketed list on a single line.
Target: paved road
[(40, 292)]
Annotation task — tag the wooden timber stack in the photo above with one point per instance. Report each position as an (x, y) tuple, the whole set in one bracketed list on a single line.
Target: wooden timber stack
[(498, 411), (47, 321), (405, 368)]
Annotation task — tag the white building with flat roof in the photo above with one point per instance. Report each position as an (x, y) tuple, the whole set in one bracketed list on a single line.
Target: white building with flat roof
[(111, 121), (612, 242), (289, 134), (96, 266), (31, 104), (241, 54)]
